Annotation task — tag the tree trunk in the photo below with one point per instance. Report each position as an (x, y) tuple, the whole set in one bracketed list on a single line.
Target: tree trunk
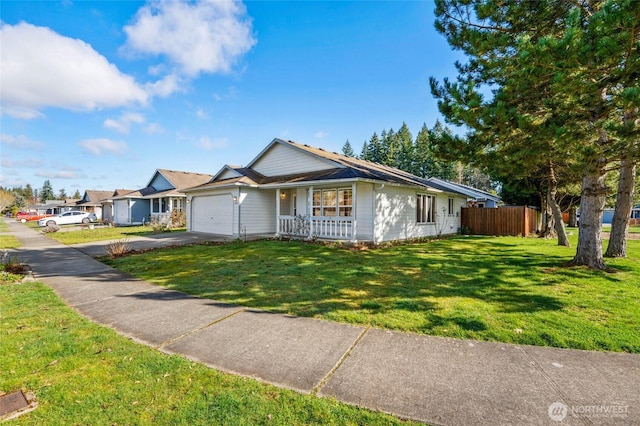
[(563, 240), (546, 218), (617, 246), (573, 217), (593, 197)]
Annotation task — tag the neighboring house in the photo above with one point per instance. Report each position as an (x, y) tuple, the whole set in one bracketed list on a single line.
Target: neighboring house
[(107, 204), (475, 197), (92, 202), (295, 190), (62, 206), (607, 215), (163, 194)]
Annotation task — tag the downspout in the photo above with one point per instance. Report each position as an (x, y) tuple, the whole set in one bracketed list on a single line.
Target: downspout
[(277, 212)]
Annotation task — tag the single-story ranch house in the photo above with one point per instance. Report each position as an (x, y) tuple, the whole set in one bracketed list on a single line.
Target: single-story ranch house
[(163, 194), (291, 189)]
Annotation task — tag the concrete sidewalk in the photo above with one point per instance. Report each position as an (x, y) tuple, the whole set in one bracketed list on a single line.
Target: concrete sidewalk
[(431, 379)]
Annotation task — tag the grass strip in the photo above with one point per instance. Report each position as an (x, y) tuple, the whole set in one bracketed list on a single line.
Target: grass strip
[(83, 373)]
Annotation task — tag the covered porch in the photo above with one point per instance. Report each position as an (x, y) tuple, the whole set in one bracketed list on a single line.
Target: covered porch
[(317, 212)]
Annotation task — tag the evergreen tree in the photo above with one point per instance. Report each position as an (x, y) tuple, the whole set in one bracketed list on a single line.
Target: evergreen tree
[(62, 194), (27, 194), (364, 153), (77, 195), (46, 192), (390, 148), (348, 150), (375, 151), (540, 60), (405, 158)]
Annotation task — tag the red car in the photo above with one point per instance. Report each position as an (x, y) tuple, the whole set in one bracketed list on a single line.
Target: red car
[(30, 216)]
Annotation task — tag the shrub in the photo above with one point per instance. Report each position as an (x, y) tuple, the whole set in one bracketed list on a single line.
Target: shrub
[(50, 228), (118, 248), (178, 219)]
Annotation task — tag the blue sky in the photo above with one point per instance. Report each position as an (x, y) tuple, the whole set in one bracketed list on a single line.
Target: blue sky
[(98, 95)]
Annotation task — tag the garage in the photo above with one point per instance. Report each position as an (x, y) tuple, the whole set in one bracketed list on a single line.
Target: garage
[(121, 208), (212, 214)]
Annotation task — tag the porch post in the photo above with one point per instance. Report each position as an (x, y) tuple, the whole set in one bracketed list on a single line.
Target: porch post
[(277, 212), (310, 210), (353, 212)]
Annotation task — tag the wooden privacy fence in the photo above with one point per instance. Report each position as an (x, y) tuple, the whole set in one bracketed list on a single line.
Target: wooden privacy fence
[(516, 221)]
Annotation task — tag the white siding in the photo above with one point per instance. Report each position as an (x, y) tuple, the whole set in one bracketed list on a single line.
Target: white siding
[(364, 211), (396, 215), (257, 211), (286, 160)]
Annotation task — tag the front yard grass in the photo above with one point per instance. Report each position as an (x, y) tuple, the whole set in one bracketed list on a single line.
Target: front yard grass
[(506, 289), (8, 242), (82, 373), (103, 234)]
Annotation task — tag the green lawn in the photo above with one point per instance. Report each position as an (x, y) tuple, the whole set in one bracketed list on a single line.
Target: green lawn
[(8, 242), (102, 234), (3, 226), (505, 289), (83, 373)]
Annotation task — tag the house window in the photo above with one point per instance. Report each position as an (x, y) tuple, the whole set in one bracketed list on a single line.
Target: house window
[(451, 209), (345, 202), (425, 208), (159, 205), (177, 204), (317, 203), (332, 202)]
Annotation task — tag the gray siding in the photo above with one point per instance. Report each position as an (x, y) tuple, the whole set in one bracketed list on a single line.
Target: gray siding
[(285, 160)]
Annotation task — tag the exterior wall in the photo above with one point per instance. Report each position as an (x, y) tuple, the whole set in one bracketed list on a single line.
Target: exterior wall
[(140, 211), (254, 213), (160, 183), (107, 212), (229, 173), (257, 211), (282, 159), (364, 211), (396, 215)]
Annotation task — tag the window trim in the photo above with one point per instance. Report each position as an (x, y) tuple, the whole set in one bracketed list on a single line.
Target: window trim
[(336, 210), (425, 209)]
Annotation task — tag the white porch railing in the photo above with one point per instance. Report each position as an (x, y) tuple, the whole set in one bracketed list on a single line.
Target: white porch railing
[(334, 227)]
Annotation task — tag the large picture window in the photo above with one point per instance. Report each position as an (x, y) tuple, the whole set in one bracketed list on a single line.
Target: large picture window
[(333, 202), (425, 208)]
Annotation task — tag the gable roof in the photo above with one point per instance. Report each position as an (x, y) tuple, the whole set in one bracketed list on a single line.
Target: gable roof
[(93, 198), (177, 179), (340, 167)]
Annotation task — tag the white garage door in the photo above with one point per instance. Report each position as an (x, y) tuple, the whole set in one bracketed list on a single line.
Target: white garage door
[(121, 208), (212, 214)]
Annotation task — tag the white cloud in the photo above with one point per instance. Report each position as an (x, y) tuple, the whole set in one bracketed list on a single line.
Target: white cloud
[(199, 36), (61, 174), (211, 144), (21, 141), (321, 134), (153, 129), (201, 114), (165, 86), (102, 146), (41, 68), (124, 122), (29, 163)]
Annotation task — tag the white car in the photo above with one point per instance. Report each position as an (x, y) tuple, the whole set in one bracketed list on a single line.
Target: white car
[(67, 218)]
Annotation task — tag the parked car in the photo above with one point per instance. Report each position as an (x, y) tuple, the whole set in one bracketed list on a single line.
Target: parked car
[(30, 216), (66, 218)]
